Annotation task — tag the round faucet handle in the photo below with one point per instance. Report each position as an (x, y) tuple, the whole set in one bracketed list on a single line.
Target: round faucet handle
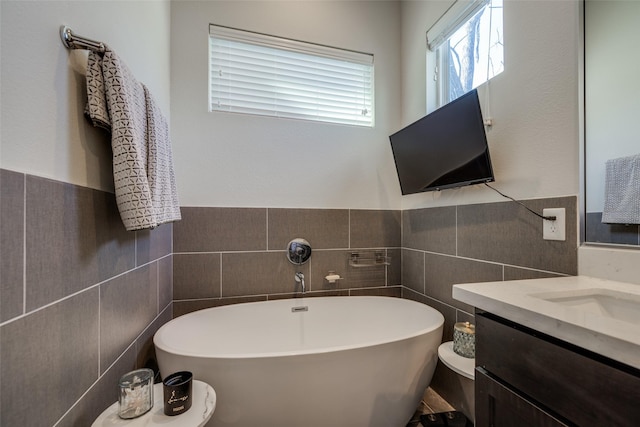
[(298, 251)]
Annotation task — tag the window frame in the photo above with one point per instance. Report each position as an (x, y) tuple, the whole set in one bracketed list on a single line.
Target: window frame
[(438, 48)]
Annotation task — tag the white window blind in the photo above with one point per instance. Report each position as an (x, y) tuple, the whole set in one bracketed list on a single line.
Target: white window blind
[(259, 74), (458, 14)]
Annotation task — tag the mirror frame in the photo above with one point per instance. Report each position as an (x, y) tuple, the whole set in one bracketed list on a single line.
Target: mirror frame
[(604, 235), (582, 206)]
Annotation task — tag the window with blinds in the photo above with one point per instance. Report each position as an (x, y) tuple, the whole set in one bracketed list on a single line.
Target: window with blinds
[(254, 73)]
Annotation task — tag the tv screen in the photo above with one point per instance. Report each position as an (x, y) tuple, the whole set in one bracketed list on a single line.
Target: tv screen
[(445, 149)]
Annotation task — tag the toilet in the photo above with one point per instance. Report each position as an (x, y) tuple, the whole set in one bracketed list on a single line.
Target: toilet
[(464, 368)]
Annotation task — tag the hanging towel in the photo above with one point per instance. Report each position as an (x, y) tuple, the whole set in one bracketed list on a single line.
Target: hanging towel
[(96, 109), (142, 162), (164, 196), (622, 191)]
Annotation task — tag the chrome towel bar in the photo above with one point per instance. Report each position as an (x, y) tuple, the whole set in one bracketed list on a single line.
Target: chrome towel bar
[(74, 41)]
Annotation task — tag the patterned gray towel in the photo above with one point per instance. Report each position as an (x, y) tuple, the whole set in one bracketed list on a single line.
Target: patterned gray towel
[(142, 161), (96, 109), (622, 191), (162, 182)]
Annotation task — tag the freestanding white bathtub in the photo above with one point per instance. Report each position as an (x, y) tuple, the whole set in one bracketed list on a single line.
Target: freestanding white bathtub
[(305, 362)]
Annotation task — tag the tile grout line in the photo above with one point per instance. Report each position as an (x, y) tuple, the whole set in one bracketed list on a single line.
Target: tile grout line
[(135, 248), (287, 293), (88, 288), (456, 230), (484, 261), (133, 343), (99, 329), (157, 287), (24, 244), (349, 230), (260, 251), (266, 227), (424, 273), (401, 245)]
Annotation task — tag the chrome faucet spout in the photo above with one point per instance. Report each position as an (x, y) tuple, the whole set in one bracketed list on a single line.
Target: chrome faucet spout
[(300, 279)]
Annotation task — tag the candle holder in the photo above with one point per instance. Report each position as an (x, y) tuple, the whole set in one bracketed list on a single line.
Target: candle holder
[(177, 393), (136, 393), (464, 339)]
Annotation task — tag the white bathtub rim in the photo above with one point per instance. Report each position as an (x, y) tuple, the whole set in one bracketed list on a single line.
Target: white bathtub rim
[(292, 353), (284, 354)]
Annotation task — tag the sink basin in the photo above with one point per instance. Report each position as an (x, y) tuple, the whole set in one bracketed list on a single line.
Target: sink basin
[(603, 302)]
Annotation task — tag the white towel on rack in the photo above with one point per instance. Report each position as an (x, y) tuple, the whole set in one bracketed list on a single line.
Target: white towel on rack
[(142, 161), (622, 191)]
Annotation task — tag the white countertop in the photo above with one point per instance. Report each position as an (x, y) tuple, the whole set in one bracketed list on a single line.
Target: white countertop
[(512, 300)]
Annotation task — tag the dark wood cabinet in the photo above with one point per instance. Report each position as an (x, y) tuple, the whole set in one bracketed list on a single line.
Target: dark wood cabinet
[(525, 378), (499, 406)]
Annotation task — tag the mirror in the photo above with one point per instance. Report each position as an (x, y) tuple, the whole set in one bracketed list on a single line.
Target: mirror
[(611, 111)]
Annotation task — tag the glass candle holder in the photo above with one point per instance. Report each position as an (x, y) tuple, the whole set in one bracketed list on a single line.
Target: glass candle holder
[(464, 339), (136, 393)]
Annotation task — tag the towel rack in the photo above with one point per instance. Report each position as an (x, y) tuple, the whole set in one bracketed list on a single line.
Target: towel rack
[(368, 259), (74, 41)]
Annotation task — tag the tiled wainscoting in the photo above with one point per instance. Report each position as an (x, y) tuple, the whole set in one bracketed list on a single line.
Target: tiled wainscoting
[(478, 243), (230, 255), (80, 299)]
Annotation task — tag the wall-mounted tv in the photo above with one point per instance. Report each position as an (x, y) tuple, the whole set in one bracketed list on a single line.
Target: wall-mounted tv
[(445, 149)]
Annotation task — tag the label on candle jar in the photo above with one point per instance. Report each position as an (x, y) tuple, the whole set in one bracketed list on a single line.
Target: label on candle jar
[(174, 399)]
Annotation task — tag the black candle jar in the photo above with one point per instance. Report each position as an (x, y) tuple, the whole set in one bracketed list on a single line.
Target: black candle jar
[(177, 393)]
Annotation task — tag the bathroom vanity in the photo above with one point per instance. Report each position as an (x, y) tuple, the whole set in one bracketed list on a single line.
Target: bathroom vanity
[(556, 352)]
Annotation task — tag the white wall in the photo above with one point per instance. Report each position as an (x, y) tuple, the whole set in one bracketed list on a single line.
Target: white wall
[(533, 103), (43, 91), (225, 159)]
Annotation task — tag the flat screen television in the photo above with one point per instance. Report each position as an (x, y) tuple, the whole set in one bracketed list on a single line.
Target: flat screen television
[(445, 149)]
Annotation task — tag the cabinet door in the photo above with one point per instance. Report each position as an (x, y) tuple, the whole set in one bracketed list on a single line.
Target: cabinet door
[(499, 406), (571, 382)]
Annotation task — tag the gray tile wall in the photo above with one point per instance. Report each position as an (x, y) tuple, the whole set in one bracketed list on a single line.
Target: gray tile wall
[(80, 299), (477, 243), (229, 255)]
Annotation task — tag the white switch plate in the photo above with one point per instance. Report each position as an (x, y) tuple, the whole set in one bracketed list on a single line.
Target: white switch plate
[(554, 230)]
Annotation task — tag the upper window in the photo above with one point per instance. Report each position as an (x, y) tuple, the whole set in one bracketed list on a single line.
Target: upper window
[(468, 45), (258, 74)]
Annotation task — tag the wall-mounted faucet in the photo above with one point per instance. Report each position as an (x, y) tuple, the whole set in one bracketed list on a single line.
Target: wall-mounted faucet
[(299, 252), (300, 279)]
